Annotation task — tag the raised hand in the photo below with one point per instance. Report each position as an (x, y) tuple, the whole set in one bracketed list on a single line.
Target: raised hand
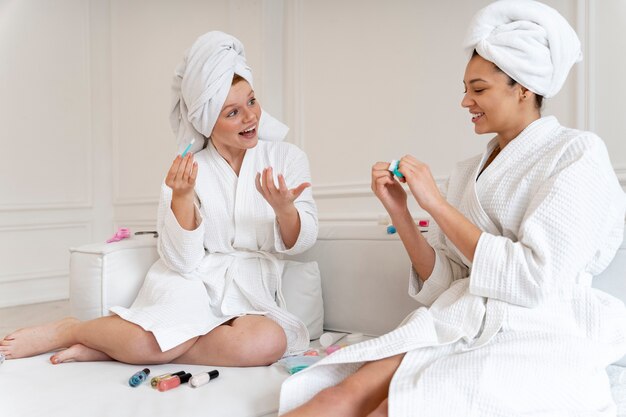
[(388, 190), (280, 198), (181, 177)]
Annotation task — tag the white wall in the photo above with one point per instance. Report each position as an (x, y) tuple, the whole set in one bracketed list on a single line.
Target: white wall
[(46, 167), (85, 96)]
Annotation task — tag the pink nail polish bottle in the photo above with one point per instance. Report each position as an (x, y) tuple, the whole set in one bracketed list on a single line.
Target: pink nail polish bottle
[(173, 382)]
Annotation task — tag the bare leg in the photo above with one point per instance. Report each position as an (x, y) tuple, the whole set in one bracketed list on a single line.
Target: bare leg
[(381, 411), (34, 340), (244, 341), (125, 341), (361, 393), (79, 353), (113, 336)]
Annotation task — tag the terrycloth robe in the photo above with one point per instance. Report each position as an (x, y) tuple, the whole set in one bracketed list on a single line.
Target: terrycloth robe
[(519, 331), (228, 266)]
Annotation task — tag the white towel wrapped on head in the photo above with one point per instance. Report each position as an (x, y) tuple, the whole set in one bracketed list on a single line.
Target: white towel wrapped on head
[(529, 41), (201, 84)]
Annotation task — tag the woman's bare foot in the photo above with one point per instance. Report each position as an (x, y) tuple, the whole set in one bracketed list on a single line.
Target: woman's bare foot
[(79, 353), (35, 340)]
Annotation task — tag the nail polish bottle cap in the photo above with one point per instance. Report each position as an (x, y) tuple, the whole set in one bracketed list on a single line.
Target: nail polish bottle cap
[(146, 371), (214, 374), (179, 373), (354, 337), (185, 378), (328, 339)]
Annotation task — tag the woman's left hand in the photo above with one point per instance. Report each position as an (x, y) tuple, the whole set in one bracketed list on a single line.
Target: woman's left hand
[(280, 198), (420, 180)]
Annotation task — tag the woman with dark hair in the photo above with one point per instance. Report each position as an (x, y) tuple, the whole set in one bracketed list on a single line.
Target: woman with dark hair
[(510, 324)]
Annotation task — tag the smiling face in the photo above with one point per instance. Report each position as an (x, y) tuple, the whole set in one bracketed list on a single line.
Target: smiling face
[(496, 105), (236, 126)]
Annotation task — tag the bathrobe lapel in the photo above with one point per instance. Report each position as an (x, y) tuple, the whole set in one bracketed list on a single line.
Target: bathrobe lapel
[(471, 206), (245, 197), (217, 184)]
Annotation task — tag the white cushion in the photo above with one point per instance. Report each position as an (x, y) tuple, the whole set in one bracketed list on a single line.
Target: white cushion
[(105, 275), (97, 389), (302, 288)]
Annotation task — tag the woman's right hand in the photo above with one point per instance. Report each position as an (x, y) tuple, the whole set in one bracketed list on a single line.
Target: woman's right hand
[(388, 190), (181, 177)]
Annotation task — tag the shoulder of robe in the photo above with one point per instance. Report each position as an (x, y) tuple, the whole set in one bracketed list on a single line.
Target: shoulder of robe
[(573, 144), (467, 166)]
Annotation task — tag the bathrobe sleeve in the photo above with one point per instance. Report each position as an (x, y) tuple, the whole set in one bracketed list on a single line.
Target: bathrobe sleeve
[(572, 224), (296, 172), (181, 250), (448, 268)]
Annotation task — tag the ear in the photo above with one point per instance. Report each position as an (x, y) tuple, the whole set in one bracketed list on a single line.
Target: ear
[(524, 93)]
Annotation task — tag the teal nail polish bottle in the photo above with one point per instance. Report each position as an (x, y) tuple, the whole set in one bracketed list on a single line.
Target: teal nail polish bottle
[(139, 377)]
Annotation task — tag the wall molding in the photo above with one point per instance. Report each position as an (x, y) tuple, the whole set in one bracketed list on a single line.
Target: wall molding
[(342, 190), (144, 224), (45, 273), (338, 190), (272, 57), (28, 276), (86, 201), (135, 201), (45, 226), (357, 189), (293, 95), (61, 205), (21, 293), (584, 82)]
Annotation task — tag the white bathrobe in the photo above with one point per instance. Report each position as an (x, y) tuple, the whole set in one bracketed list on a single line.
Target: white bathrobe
[(520, 331), (228, 265)]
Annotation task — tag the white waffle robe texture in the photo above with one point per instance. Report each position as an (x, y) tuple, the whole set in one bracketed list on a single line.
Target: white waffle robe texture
[(519, 331)]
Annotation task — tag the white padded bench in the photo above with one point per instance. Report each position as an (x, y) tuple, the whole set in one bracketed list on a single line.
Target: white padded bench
[(364, 283)]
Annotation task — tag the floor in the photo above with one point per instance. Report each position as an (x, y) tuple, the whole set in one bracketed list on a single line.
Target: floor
[(12, 318)]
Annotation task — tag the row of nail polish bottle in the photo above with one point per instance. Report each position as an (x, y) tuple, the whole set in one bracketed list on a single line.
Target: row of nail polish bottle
[(168, 381)]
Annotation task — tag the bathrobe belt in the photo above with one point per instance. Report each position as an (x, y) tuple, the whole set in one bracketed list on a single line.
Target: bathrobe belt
[(280, 299), (495, 313)]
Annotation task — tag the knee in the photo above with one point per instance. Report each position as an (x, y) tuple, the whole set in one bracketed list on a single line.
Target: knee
[(270, 346), (267, 344)]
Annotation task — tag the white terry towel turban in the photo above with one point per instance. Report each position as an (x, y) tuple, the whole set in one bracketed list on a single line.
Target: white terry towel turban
[(529, 41), (201, 84)]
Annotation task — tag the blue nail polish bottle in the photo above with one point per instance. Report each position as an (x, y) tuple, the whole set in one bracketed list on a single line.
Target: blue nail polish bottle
[(139, 377)]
